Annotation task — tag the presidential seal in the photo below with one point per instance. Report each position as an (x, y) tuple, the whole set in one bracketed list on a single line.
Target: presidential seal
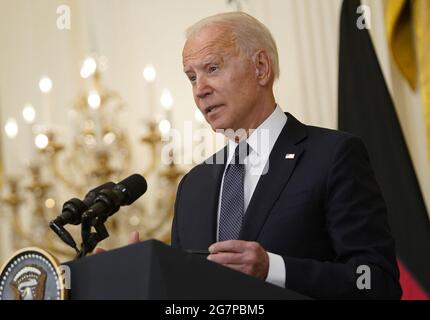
[(31, 274)]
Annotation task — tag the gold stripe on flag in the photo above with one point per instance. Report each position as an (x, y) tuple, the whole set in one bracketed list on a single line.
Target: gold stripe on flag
[(407, 24), (421, 14), (400, 38)]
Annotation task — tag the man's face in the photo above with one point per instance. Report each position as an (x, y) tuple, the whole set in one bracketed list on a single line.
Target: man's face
[(224, 82)]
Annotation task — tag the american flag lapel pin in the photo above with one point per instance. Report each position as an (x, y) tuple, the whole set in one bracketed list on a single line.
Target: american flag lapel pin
[(290, 156)]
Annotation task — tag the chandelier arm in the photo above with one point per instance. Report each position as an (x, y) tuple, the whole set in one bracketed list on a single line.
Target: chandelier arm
[(54, 164)]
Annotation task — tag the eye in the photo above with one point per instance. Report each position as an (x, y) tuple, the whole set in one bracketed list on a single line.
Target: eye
[(213, 69), (192, 78)]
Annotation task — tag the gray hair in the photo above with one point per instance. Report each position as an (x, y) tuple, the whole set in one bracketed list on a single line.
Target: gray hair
[(249, 33)]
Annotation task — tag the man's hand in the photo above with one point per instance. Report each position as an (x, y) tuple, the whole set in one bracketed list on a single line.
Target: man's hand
[(132, 238), (244, 256)]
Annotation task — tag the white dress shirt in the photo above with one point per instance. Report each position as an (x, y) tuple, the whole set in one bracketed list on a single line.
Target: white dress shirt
[(261, 142)]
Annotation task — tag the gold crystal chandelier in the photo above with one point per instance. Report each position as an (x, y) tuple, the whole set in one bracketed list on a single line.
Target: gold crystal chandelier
[(99, 150)]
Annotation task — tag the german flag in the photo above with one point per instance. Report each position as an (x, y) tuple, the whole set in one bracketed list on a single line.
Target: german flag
[(365, 108)]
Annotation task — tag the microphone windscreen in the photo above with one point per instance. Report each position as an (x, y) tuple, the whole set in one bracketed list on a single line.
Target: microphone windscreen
[(133, 186)]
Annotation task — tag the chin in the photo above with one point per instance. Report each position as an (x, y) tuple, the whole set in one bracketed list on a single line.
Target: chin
[(217, 124), (222, 122)]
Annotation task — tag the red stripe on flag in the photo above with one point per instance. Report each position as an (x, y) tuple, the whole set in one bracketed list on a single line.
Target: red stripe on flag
[(411, 288)]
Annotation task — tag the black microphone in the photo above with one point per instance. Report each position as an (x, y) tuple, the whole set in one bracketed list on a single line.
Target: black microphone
[(72, 213), (108, 201), (74, 208)]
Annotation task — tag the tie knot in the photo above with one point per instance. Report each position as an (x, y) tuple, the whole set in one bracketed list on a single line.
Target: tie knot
[(241, 152)]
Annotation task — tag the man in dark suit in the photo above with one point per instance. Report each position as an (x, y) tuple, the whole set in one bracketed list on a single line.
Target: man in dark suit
[(291, 204)]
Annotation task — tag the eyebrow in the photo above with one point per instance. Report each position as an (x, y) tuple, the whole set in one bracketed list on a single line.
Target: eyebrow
[(210, 60)]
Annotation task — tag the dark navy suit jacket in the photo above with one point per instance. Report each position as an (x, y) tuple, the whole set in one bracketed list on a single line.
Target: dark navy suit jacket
[(322, 211)]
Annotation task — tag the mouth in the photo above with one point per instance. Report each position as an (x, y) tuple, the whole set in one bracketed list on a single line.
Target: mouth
[(211, 109)]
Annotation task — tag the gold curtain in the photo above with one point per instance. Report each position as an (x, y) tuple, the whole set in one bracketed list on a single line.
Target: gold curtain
[(408, 31)]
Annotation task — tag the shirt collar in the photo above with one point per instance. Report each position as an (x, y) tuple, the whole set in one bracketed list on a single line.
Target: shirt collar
[(263, 138)]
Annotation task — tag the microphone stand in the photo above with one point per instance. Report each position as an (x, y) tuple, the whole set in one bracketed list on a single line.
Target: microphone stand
[(109, 202), (91, 239)]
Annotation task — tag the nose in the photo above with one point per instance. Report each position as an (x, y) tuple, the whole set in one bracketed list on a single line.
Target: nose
[(202, 88)]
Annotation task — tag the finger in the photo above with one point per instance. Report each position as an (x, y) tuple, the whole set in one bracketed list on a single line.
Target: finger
[(237, 267), (134, 237), (237, 246), (242, 268), (99, 250), (226, 258)]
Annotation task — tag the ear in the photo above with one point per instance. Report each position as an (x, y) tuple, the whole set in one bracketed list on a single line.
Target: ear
[(263, 67)]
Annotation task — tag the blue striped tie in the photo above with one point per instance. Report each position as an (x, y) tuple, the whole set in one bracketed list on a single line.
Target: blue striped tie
[(232, 198)]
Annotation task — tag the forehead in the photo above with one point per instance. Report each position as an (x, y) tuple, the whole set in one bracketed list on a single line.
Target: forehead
[(210, 41)]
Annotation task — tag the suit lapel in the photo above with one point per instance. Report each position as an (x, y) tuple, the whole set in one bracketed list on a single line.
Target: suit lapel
[(271, 184), (209, 202)]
